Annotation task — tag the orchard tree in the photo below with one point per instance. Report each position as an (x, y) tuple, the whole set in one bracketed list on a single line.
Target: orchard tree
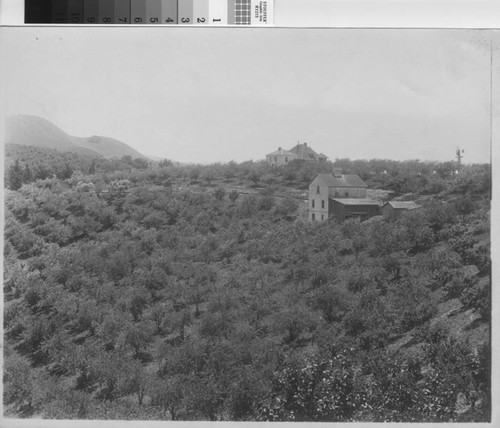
[(15, 176)]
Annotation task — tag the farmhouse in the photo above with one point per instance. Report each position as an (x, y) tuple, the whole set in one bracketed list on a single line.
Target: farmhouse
[(393, 209), (280, 157), (327, 190), (300, 152), (304, 152)]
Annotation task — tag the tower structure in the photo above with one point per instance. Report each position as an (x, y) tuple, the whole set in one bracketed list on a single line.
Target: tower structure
[(459, 154)]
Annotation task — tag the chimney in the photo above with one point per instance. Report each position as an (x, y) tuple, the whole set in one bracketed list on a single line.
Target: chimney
[(337, 172), (305, 144), (279, 149)]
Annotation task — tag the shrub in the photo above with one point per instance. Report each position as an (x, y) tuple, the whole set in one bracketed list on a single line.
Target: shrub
[(479, 256), (414, 317), (358, 282), (312, 390), (456, 286), (435, 185), (354, 323), (219, 193), (233, 195), (478, 298), (332, 303), (286, 207)]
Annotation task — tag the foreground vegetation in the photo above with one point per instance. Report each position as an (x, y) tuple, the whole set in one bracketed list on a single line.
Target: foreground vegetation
[(187, 292)]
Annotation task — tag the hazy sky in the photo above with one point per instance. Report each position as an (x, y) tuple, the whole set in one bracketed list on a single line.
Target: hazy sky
[(209, 95)]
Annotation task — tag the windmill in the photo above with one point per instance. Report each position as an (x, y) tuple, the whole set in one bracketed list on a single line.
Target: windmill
[(459, 152)]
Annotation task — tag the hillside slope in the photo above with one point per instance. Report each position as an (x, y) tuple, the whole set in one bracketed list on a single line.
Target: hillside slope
[(189, 293), (39, 132), (107, 147)]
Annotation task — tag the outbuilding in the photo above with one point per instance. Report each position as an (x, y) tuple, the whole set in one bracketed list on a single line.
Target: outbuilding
[(394, 209), (360, 208)]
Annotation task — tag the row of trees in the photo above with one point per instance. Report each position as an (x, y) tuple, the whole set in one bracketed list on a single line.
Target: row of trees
[(27, 164)]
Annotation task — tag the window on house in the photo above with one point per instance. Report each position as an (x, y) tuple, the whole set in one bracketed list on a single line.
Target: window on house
[(346, 194), (286, 159), (337, 194), (322, 217), (317, 190), (313, 216), (322, 204), (312, 203), (275, 159)]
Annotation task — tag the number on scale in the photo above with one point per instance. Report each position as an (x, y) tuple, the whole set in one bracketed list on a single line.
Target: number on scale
[(137, 20), (153, 20), (185, 20), (201, 20), (169, 20), (106, 20), (124, 20), (91, 19)]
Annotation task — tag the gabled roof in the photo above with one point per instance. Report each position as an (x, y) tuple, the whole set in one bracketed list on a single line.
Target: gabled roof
[(303, 151), (345, 180), (355, 201), (281, 153), (403, 205)]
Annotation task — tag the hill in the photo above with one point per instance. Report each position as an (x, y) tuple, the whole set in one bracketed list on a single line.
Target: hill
[(36, 131)]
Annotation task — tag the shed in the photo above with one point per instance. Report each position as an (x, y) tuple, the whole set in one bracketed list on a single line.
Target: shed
[(344, 208), (393, 209)]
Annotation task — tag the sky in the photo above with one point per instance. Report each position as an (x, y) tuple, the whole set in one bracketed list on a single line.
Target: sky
[(218, 94)]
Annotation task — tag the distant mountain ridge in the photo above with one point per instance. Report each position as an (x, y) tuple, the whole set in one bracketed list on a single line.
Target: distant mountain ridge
[(36, 131)]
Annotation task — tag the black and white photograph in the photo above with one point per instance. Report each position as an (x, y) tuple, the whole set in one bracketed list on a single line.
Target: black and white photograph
[(252, 224)]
